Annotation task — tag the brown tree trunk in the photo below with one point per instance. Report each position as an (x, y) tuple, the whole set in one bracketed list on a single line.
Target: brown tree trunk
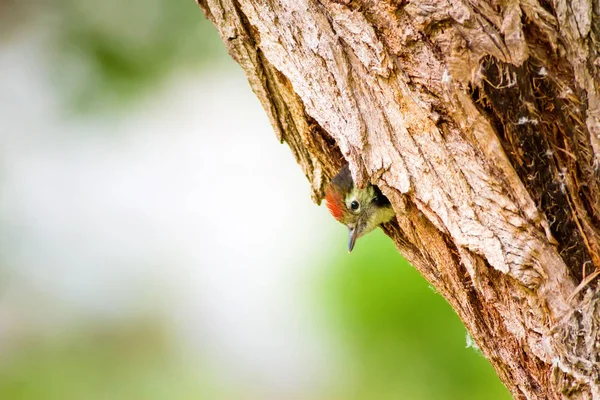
[(480, 120)]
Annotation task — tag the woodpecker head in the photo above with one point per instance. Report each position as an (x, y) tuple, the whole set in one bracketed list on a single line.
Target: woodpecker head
[(361, 210)]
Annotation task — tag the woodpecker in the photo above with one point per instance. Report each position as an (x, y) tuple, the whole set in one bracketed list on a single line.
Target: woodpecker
[(361, 210)]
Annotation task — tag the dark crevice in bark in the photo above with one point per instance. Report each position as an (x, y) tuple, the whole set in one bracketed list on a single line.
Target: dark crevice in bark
[(547, 5), (329, 152), (573, 103), (537, 130)]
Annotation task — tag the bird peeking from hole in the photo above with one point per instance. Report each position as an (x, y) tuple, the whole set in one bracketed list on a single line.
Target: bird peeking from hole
[(361, 210)]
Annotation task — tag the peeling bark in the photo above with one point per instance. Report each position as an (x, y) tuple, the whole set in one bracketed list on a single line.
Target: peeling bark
[(480, 120)]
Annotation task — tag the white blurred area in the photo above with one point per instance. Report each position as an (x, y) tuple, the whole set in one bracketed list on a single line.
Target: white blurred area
[(185, 208)]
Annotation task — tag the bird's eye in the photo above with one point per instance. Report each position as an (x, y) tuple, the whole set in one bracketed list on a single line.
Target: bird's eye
[(354, 205)]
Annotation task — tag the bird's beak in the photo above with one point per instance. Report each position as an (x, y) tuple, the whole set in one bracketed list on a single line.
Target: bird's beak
[(352, 236)]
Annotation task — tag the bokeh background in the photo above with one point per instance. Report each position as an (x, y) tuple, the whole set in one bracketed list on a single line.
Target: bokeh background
[(157, 242)]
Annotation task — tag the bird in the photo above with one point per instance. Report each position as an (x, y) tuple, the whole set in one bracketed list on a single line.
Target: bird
[(361, 210)]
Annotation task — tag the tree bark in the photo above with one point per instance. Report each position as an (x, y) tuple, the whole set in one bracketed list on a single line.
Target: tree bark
[(480, 121)]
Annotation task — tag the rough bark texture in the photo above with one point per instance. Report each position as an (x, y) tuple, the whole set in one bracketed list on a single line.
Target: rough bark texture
[(480, 120)]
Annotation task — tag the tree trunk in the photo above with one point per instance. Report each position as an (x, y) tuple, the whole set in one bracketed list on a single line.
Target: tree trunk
[(480, 121)]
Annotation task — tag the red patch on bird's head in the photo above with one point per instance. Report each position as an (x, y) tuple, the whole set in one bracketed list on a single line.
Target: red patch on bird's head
[(335, 204)]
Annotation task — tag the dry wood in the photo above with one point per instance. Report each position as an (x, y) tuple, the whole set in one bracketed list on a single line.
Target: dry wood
[(480, 120)]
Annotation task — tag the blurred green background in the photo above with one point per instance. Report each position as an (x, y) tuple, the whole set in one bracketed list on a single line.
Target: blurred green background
[(157, 243)]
